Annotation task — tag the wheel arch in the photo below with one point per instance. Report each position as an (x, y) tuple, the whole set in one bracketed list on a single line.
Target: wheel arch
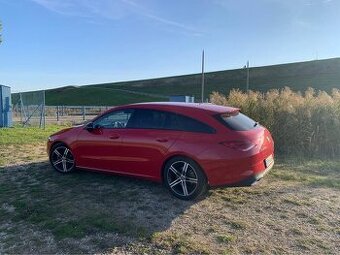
[(56, 143), (61, 143)]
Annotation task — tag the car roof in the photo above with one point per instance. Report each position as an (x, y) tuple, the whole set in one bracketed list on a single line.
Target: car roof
[(207, 107)]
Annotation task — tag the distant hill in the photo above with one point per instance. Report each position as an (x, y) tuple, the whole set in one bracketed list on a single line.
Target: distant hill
[(319, 74)]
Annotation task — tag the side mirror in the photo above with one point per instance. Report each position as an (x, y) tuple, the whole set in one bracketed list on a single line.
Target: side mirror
[(89, 126), (94, 129)]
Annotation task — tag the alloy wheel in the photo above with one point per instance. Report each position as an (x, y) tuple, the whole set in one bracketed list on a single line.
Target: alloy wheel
[(182, 178), (62, 159)]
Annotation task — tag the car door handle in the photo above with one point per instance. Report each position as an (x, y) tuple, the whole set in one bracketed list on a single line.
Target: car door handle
[(114, 137), (162, 140)]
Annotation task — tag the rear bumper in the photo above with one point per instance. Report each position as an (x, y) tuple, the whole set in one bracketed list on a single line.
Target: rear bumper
[(238, 173), (252, 180)]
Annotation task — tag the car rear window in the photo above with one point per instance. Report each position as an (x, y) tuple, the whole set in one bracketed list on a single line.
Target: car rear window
[(185, 123), (237, 121)]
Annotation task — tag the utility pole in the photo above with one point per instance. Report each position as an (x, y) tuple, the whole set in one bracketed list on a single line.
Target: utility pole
[(247, 88), (202, 89)]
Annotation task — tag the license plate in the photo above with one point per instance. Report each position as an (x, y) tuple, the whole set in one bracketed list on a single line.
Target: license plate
[(268, 161)]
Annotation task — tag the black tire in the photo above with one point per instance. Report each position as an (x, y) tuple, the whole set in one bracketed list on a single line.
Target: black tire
[(61, 158), (184, 178)]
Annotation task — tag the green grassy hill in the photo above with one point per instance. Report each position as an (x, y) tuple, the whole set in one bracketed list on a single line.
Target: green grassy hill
[(319, 74)]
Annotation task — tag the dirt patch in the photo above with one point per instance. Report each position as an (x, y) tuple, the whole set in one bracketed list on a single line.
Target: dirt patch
[(16, 154)]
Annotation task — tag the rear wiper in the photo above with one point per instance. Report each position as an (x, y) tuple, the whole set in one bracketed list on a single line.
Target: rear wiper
[(255, 124)]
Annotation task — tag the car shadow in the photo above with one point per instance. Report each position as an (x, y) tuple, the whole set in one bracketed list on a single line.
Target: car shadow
[(114, 209)]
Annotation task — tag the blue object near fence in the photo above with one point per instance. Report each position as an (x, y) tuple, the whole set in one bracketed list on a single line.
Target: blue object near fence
[(5, 106), (185, 99)]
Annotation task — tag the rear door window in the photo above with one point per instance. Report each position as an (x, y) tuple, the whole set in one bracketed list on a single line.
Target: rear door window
[(155, 119), (237, 121), (147, 119)]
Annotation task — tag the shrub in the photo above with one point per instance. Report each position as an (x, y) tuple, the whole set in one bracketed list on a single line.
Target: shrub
[(304, 124)]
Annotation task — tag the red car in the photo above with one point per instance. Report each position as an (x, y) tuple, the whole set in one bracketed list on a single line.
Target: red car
[(189, 147)]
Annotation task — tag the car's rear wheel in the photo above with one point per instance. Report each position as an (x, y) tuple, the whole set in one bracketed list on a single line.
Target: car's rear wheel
[(62, 158), (184, 178)]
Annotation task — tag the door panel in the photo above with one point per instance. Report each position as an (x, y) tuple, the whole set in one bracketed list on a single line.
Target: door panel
[(99, 149), (145, 150)]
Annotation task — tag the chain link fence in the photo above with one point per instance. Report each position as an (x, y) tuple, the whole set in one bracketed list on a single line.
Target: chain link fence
[(29, 109), (60, 114)]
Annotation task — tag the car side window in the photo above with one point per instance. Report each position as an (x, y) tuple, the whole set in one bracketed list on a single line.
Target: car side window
[(116, 119), (155, 119), (147, 119)]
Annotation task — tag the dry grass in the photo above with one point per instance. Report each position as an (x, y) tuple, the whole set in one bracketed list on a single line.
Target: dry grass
[(305, 124), (295, 209)]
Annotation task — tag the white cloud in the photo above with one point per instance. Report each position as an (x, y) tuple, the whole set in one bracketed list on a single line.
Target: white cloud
[(110, 10), (146, 13), (67, 7), (317, 2)]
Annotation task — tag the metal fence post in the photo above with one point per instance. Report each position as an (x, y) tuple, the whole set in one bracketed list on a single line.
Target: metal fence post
[(84, 114), (44, 110), (57, 112)]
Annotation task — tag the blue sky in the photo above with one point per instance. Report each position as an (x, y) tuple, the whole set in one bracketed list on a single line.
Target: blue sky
[(53, 43)]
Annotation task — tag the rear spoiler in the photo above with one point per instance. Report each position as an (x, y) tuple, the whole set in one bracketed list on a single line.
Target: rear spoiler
[(231, 112)]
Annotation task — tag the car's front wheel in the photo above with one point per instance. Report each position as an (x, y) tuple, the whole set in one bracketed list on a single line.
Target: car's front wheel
[(184, 178), (62, 158)]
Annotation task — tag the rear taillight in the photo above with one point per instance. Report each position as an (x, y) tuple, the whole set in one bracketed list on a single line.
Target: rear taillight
[(239, 145)]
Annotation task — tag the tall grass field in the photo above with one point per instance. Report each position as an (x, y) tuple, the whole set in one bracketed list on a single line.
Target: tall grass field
[(302, 124)]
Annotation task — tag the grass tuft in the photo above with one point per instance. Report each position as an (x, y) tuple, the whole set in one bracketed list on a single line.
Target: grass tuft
[(29, 135), (226, 238)]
